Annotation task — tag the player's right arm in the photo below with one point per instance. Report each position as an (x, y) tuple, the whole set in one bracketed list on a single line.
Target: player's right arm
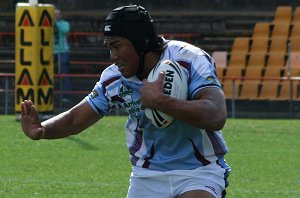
[(68, 123)]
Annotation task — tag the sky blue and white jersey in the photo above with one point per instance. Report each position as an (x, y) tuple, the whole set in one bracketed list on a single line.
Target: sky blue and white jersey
[(180, 146)]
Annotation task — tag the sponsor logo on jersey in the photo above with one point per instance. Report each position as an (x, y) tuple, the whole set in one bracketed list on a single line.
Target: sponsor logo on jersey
[(94, 94), (212, 79), (107, 28), (124, 91), (133, 107)]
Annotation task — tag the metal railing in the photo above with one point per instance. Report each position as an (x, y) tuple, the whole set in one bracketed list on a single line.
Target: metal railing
[(7, 90), (288, 107)]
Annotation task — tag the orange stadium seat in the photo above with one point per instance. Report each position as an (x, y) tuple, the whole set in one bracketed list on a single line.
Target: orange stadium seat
[(261, 29), (276, 59), (237, 60), (278, 45), (257, 60), (283, 14), (295, 45), (231, 88), (280, 30), (285, 90), (293, 71), (253, 72), (249, 89), (295, 33), (220, 72), (240, 45), (296, 18), (233, 72), (270, 72), (259, 45), (269, 90)]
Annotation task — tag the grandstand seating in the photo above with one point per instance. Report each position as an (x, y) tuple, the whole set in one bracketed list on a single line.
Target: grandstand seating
[(269, 90), (276, 59), (293, 71), (249, 89), (237, 59), (294, 60), (295, 44), (234, 72), (253, 72), (261, 30), (283, 14), (259, 45), (270, 72), (252, 50), (240, 45), (268, 57), (231, 88), (257, 60), (280, 30), (296, 17), (220, 73), (278, 45), (285, 91), (295, 32)]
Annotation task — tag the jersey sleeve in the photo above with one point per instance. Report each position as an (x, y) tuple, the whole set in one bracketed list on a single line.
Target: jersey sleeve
[(100, 98), (202, 74)]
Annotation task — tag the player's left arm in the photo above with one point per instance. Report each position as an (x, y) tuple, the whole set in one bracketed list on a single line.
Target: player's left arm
[(207, 110)]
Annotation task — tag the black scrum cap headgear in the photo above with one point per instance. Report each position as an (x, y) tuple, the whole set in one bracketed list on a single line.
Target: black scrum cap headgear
[(134, 23)]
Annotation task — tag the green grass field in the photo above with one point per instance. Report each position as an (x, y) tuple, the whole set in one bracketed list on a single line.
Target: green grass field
[(264, 156)]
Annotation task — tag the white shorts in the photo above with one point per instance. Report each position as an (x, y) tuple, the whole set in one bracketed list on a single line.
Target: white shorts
[(147, 183)]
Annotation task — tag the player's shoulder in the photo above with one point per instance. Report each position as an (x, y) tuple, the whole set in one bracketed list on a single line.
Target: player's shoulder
[(184, 52), (182, 47), (110, 74)]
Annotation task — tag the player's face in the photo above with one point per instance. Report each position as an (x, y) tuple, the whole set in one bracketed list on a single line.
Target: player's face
[(123, 54), (57, 14)]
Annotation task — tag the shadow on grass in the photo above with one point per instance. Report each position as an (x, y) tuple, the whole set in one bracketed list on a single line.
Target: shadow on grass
[(83, 144)]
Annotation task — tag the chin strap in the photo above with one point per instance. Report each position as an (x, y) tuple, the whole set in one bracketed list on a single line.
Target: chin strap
[(142, 51), (141, 64)]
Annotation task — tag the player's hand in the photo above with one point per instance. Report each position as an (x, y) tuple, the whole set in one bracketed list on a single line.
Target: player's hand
[(30, 121), (151, 92)]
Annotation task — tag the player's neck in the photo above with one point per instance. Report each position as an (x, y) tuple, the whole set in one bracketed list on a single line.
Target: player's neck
[(151, 60)]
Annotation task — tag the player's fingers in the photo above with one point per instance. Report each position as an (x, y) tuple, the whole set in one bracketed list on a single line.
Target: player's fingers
[(34, 113), (25, 108), (29, 102), (161, 76), (32, 110)]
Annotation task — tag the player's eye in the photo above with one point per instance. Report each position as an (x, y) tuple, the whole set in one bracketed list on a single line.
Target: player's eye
[(116, 46)]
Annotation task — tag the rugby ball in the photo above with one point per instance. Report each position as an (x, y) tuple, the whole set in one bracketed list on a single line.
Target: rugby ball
[(175, 85)]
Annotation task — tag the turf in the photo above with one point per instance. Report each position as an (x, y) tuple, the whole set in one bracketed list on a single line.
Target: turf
[(264, 156)]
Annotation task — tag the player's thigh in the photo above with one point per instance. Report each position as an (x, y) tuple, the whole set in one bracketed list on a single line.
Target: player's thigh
[(149, 187), (196, 194)]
